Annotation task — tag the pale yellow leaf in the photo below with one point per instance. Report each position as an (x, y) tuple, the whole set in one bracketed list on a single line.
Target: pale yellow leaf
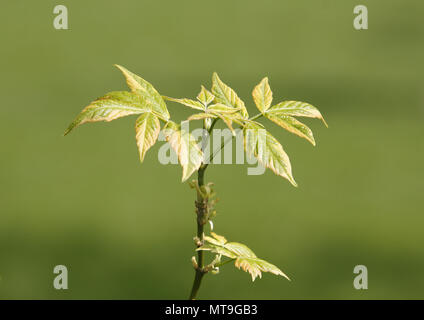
[(225, 95), (296, 109), (145, 89), (112, 106), (201, 116), (222, 108), (262, 95), (147, 128), (205, 96), (291, 124), (186, 148), (262, 145), (188, 102)]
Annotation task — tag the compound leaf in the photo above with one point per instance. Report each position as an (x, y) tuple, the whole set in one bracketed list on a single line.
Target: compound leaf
[(145, 89), (112, 106), (186, 148), (262, 95), (245, 258), (225, 95), (296, 109), (259, 143), (147, 128)]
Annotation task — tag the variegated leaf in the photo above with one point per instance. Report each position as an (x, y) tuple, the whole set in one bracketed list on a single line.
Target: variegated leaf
[(147, 128), (227, 120), (201, 116), (225, 95), (205, 96), (188, 102), (222, 108), (291, 124), (262, 95), (112, 106), (262, 145), (297, 109), (244, 257), (186, 148), (146, 90)]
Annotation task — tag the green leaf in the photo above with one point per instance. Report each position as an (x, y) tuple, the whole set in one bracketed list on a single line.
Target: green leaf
[(112, 106), (186, 148), (205, 96), (262, 145), (145, 89), (188, 102), (147, 128), (296, 109), (225, 95), (292, 125), (262, 95), (245, 258)]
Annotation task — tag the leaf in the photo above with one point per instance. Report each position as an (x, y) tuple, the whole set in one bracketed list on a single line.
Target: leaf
[(220, 239), (112, 106), (222, 108), (218, 250), (297, 109), (269, 152), (240, 249), (292, 125), (262, 95), (147, 128), (225, 95), (205, 96), (188, 102), (227, 120), (201, 116), (186, 148), (245, 258), (145, 89), (256, 266)]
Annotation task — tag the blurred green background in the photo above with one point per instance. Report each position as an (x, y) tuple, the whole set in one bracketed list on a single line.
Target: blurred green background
[(124, 230)]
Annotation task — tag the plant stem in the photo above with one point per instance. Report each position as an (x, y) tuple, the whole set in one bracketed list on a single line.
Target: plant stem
[(199, 272), (224, 143), (201, 210)]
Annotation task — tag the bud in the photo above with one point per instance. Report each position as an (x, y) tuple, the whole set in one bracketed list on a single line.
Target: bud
[(194, 262), (215, 270), (208, 123)]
